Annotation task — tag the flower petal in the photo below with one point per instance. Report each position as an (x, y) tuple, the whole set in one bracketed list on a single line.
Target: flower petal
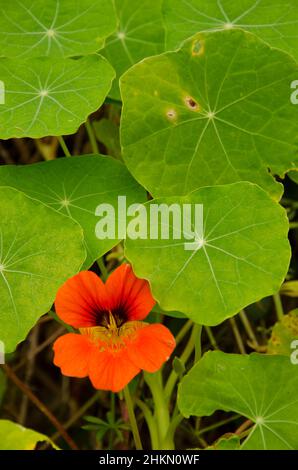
[(81, 299), (72, 353), (109, 370), (152, 346), (129, 294)]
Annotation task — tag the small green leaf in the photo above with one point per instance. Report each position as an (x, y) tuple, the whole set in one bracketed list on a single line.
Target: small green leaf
[(39, 250), (45, 97), (231, 266), (290, 289), (283, 334), (107, 132), (216, 111), (227, 442), (140, 34), (13, 436), (60, 28), (75, 187), (261, 388), (271, 20)]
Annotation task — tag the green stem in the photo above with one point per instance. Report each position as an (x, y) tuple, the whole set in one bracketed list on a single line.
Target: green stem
[(103, 269), (184, 330), (161, 409), (211, 337), (237, 335), (151, 423), (92, 137), (198, 344), (217, 425), (278, 307), (183, 359), (132, 418), (63, 145), (248, 328)]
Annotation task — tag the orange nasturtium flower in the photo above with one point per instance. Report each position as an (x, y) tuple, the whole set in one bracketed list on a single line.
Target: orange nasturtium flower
[(114, 343)]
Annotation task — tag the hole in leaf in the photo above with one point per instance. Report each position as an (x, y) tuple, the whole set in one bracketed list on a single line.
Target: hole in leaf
[(191, 103)]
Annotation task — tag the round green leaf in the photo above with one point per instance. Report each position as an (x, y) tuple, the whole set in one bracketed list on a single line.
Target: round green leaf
[(215, 112), (231, 266), (45, 97), (259, 387), (75, 187), (273, 21), (140, 34), (60, 28), (39, 250), (13, 436)]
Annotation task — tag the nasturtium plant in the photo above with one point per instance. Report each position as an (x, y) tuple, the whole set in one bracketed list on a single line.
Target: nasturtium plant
[(46, 97), (140, 34), (148, 216), (61, 28), (230, 265), (75, 187), (214, 112), (271, 20), (259, 387), (31, 234), (13, 436)]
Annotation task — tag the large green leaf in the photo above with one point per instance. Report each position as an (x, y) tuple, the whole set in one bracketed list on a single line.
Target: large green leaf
[(75, 187), (217, 111), (261, 388), (140, 34), (274, 21), (58, 28), (45, 97), (13, 436), (233, 263), (39, 250)]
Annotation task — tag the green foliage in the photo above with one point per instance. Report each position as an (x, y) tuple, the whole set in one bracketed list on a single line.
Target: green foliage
[(140, 34), (61, 28), (13, 436), (283, 334), (261, 388), (214, 112), (271, 20), (33, 241), (47, 97), (60, 185), (232, 267)]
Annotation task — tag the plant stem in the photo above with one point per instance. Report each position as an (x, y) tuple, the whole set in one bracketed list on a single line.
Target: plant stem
[(103, 269), (151, 423), (161, 409), (63, 146), (198, 345), (211, 337), (248, 328), (77, 415), (184, 330), (278, 307), (237, 335), (132, 418), (92, 137), (217, 425), (183, 359), (33, 398)]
